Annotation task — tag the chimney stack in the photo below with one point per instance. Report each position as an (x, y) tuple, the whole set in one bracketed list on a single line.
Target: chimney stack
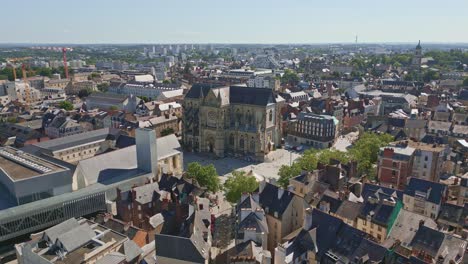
[(147, 158), (307, 219)]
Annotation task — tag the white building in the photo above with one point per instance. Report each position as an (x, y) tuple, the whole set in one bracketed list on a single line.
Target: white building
[(264, 81)]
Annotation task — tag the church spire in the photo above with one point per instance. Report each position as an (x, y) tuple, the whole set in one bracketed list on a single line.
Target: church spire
[(419, 45)]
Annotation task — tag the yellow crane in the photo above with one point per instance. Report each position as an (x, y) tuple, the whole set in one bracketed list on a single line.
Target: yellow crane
[(12, 61), (27, 92)]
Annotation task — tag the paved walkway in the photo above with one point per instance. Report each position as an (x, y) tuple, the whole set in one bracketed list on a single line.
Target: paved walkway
[(224, 166)]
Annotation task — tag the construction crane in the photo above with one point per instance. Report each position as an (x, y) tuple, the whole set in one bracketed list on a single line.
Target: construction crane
[(27, 92), (64, 51), (12, 61)]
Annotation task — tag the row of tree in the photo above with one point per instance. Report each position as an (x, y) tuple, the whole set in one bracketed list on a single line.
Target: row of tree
[(238, 183), (364, 151)]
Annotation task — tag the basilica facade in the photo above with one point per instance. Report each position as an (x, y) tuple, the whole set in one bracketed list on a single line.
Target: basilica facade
[(238, 121)]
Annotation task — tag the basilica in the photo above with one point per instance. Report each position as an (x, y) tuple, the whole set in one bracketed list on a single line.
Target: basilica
[(238, 121)]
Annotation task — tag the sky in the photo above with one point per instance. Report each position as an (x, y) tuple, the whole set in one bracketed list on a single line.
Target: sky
[(238, 21)]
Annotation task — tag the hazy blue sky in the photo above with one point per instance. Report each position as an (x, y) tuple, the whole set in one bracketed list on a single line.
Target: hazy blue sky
[(238, 21)]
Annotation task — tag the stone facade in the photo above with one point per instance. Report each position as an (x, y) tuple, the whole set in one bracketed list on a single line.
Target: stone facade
[(240, 121)]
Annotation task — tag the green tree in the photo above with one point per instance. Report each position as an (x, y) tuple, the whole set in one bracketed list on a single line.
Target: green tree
[(113, 108), (167, 131), (144, 98), (84, 93), (465, 82), (431, 76), (238, 184), (167, 81), (287, 172), (66, 105), (365, 150), (44, 72), (206, 176), (103, 87), (326, 155), (290, 77)]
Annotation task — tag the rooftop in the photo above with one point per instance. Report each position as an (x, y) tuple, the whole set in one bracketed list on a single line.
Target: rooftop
[(19, 165), (76, 140), (79, 240)]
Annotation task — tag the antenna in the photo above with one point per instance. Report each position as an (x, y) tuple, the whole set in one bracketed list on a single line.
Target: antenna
[(356, 39)]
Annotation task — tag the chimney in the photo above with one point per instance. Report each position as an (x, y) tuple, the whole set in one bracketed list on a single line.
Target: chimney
[(261, 186), (280, 193), (147, 158), (307, 219)]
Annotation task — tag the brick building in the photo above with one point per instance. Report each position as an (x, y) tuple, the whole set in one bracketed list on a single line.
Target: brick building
[(395, 164)]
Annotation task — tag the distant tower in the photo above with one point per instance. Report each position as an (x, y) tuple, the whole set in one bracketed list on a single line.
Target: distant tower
[(417, 60)]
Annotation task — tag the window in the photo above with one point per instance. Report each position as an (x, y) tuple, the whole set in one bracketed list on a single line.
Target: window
[(379, 228), (241, 143), (393, 172), (379, 237), (252, 144), (270, 115), (139, 207), (425, 158), (394, 164)]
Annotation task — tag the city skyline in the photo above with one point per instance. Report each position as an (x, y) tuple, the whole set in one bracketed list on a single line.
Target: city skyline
[(259, 22)]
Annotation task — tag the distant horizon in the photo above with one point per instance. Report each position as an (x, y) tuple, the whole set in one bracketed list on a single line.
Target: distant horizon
[(228, 22), (237, 43)]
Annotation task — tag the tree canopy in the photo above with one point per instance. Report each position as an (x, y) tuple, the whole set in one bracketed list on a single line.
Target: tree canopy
[(364, 151), (465, 82), (66, 105), (290, 77), (167, 131), (206, 176), (238, 184)]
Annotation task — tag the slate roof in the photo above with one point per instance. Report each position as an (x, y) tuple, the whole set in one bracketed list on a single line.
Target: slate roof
[(405, 227), (199, 89), (237, 94), (459, 129), (349, 210), (439, 125), (327, 229), (351, 244), (248, 203), (368, 189), (453, 213), (180, 248), (111, 258), (427, 239), (436, 190), (252, 221), (54, 232), (132, 250), (379, 212), (305, 240), (144, 194), (269, 200), (333, 202), (107, 98), (78, 139), (76, 237)]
